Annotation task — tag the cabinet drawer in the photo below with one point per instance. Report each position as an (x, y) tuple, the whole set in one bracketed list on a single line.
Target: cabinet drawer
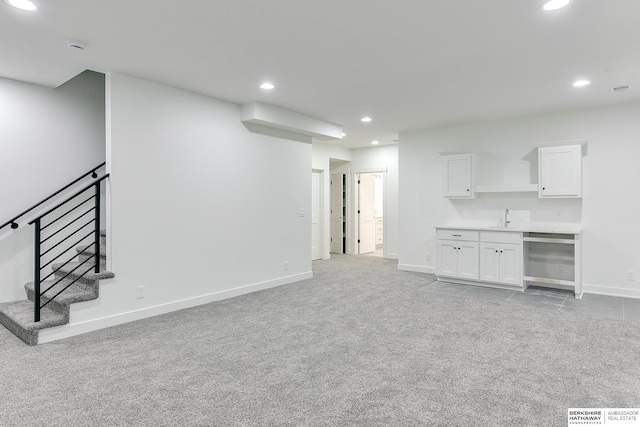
[(471, 236), (500, 237)]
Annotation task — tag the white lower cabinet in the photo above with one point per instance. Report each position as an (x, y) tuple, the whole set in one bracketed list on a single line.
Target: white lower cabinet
[(501, 263), (457, 254), (501, 258), (491, 257)]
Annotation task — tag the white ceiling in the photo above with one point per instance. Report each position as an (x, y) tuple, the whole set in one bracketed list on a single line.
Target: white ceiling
[(409, 64)]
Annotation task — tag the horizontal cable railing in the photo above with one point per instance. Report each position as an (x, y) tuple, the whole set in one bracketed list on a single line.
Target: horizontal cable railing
[(69, 219), (13, 221)]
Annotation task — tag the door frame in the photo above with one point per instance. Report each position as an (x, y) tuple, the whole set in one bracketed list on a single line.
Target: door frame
[(316, 199), (323, 215), (337, 189)]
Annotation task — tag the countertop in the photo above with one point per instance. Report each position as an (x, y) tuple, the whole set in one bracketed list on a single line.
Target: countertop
[(529, 228)]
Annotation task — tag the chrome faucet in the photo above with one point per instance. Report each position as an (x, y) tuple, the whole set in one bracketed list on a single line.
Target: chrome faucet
[(506, 218)]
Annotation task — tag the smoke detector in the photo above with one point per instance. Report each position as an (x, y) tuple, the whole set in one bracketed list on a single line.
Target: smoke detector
[(619, 89), (75, 44)]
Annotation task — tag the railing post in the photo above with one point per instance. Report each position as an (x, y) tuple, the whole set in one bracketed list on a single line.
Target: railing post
[(36, 280), (96, 246)]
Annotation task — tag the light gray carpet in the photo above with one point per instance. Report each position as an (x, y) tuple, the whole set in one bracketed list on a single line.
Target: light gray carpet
[(358, 344)]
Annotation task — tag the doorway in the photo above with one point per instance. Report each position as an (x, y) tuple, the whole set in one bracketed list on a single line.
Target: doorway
[(370, 214), (356, 233)]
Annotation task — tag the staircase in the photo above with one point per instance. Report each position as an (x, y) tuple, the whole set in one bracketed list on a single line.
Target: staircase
[(64, 273), (18, 316)]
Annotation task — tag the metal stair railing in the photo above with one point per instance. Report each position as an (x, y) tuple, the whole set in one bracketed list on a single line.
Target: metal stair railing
[(13, 221), (49, 242)]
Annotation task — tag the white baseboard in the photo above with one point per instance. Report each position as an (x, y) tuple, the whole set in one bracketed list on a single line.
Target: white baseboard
[(71, 329), (390, 255), (417, 268), (607, 290)]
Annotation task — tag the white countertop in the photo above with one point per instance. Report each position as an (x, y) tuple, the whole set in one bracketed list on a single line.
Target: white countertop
[(529, 228)]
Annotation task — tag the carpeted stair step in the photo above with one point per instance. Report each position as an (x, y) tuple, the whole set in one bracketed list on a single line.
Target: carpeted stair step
[(84, 273), (75, 292), (17, 317), (88, 251)]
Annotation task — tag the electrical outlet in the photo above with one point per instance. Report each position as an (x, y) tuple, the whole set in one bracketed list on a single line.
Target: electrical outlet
[(286, 265), (631, 275), (140, 292), (558, 266), (559, 213), (428, 257), (300, 212)]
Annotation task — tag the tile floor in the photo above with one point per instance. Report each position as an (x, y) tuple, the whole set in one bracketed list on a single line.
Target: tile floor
[(627, 309)]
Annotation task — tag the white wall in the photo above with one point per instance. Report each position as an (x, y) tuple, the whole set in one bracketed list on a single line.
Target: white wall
[(608, 211), (321, 162), (201, 209), (48, 137), (384, 158)]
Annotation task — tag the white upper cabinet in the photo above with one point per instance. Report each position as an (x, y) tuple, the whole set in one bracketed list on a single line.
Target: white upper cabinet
[(458, 175), (560, 171)]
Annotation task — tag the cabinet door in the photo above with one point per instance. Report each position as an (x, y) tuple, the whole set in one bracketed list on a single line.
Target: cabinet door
[(490, 262), (447, 258), (458, 176), (468, 260), (560, 171), (510, 264)]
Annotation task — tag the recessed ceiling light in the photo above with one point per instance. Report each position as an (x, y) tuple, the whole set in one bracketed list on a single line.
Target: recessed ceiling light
[(365, 119), (555, 4), (374, 142), (579, 83), (22, 4), (267, 86)]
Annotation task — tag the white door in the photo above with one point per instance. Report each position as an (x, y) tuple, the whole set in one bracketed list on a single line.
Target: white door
[(337, 205), (315, 216), (366, 213)]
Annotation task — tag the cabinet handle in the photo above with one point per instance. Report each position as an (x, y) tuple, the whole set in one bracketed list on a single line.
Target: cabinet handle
[(457, 235), (500, 251), (496, 251), (468, 189), (544, 188)]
